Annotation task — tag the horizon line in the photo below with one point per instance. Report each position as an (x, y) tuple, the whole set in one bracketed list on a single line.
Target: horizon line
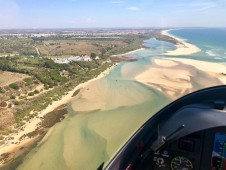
[(88, 28)]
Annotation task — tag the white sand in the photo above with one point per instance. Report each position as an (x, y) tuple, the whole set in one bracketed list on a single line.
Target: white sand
[(30, 126), (165, 62), (131, 52), (183, 49), (173, 76), (202, 65), (215, 69), (171, 81)]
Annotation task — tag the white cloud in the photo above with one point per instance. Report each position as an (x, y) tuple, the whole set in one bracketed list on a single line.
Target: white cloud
[(133, 8), (117, 2)]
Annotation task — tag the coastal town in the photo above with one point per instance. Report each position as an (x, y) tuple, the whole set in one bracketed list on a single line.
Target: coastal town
[(71, 33)]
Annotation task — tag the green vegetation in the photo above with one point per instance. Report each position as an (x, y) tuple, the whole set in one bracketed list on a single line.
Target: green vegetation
[(45, 70), (159, 36), (16, 102), (30, 94), (3, 104), (14, 86), (68, 45), (33, 93), (17, 46), (75, 93), (53, 117), (93, 55), (128, 43), (61, 46), (36, 92), (12, 97), (28, 81), (2, 90), (58, 78)]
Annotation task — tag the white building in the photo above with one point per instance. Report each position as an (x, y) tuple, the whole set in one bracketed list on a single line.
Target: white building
[(71, 59), (87, 58)]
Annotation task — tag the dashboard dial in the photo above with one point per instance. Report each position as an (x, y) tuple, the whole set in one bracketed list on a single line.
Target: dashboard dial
[(181, 163)]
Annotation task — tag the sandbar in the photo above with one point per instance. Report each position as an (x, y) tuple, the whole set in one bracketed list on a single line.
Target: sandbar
[(177, 77)]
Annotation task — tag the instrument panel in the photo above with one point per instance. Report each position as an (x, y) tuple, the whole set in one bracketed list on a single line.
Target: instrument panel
[(179, 155), (201, 150), (219, 152)]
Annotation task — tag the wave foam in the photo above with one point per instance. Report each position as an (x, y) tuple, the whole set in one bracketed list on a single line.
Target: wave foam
[(210, 53)]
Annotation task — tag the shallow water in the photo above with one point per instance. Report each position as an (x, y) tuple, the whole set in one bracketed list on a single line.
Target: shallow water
[(87, 138)]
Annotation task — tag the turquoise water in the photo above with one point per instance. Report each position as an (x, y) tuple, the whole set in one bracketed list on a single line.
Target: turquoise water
[(212, 42), (86, 139)]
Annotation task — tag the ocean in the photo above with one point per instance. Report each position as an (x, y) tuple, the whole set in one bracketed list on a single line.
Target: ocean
[(211, 41), (87, 138)]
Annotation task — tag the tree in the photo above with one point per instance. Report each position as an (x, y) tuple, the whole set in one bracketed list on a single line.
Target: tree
[(2, 90), (3, 104), (14, 86), (93, 55)]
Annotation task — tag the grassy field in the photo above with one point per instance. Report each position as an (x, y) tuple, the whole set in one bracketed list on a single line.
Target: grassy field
[(102, 47), (17, 46), (7, 78), (77, 47)]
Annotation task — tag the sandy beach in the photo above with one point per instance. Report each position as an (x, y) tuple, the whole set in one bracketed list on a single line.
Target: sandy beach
[(14, 143), (177, 77), (185, 49)]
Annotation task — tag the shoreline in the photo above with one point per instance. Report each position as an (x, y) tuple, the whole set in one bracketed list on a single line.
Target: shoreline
[(130, 52), (15, 145), (185, 49)]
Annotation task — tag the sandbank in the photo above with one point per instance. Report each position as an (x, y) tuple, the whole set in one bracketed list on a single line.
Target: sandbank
[(215, 69), (177, 77), (184, 48)]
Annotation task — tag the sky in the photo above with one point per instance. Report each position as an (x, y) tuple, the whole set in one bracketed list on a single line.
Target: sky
[(111, 13)]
